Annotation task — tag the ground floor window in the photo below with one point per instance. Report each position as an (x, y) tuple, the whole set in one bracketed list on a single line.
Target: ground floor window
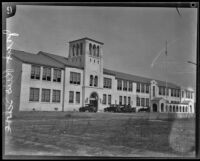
[(46, 95), (142, 102), (129, 100), (120, 100), (125, 100), (138, 101), (104, 99), (78, 97), (71, 96), (34, 94), (56, 96), (109, 99)]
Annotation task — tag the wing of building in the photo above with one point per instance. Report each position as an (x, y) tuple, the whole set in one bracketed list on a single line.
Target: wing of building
[(48, 82)]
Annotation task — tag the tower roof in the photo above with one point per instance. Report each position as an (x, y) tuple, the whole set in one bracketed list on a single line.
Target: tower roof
[(86, 38)]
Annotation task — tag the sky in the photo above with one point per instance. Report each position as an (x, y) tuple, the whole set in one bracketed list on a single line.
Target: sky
[(134, 38)]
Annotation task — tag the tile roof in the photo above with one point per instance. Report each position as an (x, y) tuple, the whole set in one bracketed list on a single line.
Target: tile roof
[(60, 59), (86, 38), (140, 79), (35, 59)]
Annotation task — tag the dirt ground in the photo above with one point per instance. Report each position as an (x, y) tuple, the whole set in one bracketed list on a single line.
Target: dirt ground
[(101, 135)]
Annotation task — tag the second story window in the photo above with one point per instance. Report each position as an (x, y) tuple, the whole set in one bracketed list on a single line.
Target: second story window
[(107, 83), (91, 80), (46, 74), (95, 81), (119, 84), (138, 87), (142, 87), (75, 78), (147, 88), (125, 85), (35, 72), (130, 86), (57, 75)]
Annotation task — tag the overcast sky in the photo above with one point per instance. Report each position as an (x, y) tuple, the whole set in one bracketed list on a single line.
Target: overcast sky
[(133, 37)]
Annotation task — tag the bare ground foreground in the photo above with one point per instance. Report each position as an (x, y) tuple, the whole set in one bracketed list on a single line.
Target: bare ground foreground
[(99, 134)]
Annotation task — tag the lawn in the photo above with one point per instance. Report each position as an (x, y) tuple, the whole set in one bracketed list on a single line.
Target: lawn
[(101, 134)]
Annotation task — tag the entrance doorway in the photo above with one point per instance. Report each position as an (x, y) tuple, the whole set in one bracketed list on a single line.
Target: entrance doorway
[(155, 107), (94, 100)]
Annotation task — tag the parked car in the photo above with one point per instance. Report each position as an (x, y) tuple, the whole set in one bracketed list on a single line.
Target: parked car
[(112, 108), (144, 109), (127, 109), (88, 108)]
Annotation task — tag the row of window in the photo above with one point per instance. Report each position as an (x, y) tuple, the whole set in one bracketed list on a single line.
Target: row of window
[(142, 87), (77, 49), (125, 85), (144, 102), (188, 94), (105, 99), (71, 96), (94, 50), (93, 80), (75, 78), (35, 95), (175, 108), (175, 92), (46, 75), (121, 101)]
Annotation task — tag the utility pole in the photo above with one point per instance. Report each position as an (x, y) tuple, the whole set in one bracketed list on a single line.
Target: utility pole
[(166, 92)]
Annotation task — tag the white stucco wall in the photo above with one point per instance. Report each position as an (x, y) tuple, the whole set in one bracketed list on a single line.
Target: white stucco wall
[(27, 83)]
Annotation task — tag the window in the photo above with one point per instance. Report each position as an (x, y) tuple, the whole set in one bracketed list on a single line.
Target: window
[(182, 93), (142, 88), (46, 74), (160, 90), (142, 102), (119, 84), (107, 83), (162, 107), (130, 86), (120, 100), (174, 109), (74, 50), (77, 97), (34, 94), (109, 99), (97, 51), (91, 80), (138, 101), (57, 75), (94, 50), (125, 100), (191, 95), (45, 95), (71, 96), (154, 91), (147, 88), (35, 72), (125, 85), (147, 102), (172, 92), (77, 49), (138, 87), (75, 78), (90, 49), (56, 96), (81, 48), (129, 100), (104, 99), (95, 81)]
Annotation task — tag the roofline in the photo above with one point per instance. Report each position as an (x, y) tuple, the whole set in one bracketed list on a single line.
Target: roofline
[(86, 38)]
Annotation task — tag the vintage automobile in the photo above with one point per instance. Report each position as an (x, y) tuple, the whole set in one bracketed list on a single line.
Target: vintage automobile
[(112, 108), (144, 109), (88, 108), (127, 109)]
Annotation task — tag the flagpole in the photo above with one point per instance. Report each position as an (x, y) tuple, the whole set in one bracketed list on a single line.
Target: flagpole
[(166, 73)]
